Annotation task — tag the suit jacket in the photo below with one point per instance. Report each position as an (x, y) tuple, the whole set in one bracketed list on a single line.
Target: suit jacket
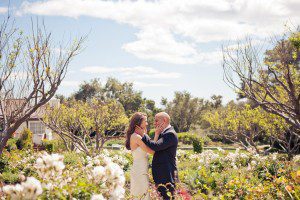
[(164, 159)]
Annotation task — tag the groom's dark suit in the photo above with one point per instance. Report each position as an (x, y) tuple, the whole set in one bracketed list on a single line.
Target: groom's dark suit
[(164, 159)]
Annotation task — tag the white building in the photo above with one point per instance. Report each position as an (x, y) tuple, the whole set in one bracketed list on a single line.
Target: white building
[(35, 125)]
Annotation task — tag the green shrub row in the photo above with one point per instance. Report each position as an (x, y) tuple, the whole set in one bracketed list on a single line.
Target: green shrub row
[(24, 142), (189, 139), (192, 139)]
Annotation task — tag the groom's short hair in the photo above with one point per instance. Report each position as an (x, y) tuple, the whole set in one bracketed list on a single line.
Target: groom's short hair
[(164, 115)]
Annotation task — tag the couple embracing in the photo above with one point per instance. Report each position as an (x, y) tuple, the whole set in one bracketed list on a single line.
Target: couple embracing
[(163, 147)]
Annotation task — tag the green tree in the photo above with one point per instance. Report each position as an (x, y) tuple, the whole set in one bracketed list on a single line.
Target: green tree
[(216, 101), (271, 80), (245, 125), (113, 89), (131, 99), (88, 90), (75, 120), (185, 110)]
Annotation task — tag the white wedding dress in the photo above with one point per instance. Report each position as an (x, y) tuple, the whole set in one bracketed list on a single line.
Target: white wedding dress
[(139, 179)]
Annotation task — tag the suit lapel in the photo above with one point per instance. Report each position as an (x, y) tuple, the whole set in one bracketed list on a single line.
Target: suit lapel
[(160, 135)]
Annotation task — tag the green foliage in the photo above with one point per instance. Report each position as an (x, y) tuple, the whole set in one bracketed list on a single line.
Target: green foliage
[(113, 89), (295, 40), (272, 83), (119, 142), (10, 178), (76, 118), (198, 145), (131, 100), (25, 140), (151, 133), (73, 158), (49, 145), (191, 139), (186, 137), (250, 177), (3, 163), (88, 90), (11, 144), (244, 124), (186, 111)]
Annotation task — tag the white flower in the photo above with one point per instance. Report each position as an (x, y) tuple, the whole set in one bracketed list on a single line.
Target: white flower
[(274, 156), (97, 197), (32, 188), (221, 150), (50, 166), (48, 186), (253, 163), (8, 189), (118, 193), (59, 166), (249, 167), (296, 159), (99, 174)]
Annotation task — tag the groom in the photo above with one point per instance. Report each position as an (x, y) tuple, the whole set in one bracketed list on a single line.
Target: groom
[(164, 168)]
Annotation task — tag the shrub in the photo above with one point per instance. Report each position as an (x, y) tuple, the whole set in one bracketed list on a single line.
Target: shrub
[(3, 163), (192, 139), (117, 141), (25, 140), (49, 145), (72, 158), (206, 140), (151, 133), (11, 144), (185, 138), (198, 145), (10, 178)]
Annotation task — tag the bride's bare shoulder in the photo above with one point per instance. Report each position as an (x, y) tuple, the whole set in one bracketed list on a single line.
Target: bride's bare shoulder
[(135, 136)]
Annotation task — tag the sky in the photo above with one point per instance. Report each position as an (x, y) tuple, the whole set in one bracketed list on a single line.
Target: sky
[(161, 46)]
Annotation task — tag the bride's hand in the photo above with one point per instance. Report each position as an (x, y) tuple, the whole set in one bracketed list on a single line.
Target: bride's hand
[(158, 130)]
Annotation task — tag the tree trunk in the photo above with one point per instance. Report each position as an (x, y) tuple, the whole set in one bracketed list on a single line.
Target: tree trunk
[(4, 140)]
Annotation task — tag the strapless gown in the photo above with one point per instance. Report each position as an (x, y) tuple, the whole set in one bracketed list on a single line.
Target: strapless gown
[(139, 178)]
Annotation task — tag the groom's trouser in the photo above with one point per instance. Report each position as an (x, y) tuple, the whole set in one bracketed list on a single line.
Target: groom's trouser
[(167, 191)]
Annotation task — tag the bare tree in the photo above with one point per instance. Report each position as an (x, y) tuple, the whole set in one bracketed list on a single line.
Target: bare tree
[(31, 70), (271, 80)]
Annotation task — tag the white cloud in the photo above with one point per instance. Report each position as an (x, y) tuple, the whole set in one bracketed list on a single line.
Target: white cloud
[(97, 69), (137, 72), (3, 10), (70, 83), (159, 44), (143, 84), (174, 31)]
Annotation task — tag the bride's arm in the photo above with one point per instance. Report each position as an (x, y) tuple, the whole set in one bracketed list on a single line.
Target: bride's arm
[(143, 145), (156, 137)]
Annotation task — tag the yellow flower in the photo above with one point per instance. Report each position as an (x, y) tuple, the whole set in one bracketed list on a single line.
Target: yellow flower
[(289, 188), (298, 174)]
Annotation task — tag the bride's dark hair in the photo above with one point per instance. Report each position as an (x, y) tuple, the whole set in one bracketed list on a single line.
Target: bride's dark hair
[(135, 120)]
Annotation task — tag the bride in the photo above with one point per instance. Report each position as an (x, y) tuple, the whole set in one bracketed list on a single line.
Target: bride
[(139, 179)]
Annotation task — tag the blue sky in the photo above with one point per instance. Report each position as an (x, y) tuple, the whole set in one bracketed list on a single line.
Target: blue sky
[(160, 46)]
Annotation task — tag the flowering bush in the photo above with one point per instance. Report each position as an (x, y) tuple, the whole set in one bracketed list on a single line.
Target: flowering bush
[(30, 189), (238, 175), (97, 177), (216, 174)]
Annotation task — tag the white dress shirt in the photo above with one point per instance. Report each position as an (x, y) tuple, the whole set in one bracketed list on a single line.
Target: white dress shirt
[(169, 126)]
